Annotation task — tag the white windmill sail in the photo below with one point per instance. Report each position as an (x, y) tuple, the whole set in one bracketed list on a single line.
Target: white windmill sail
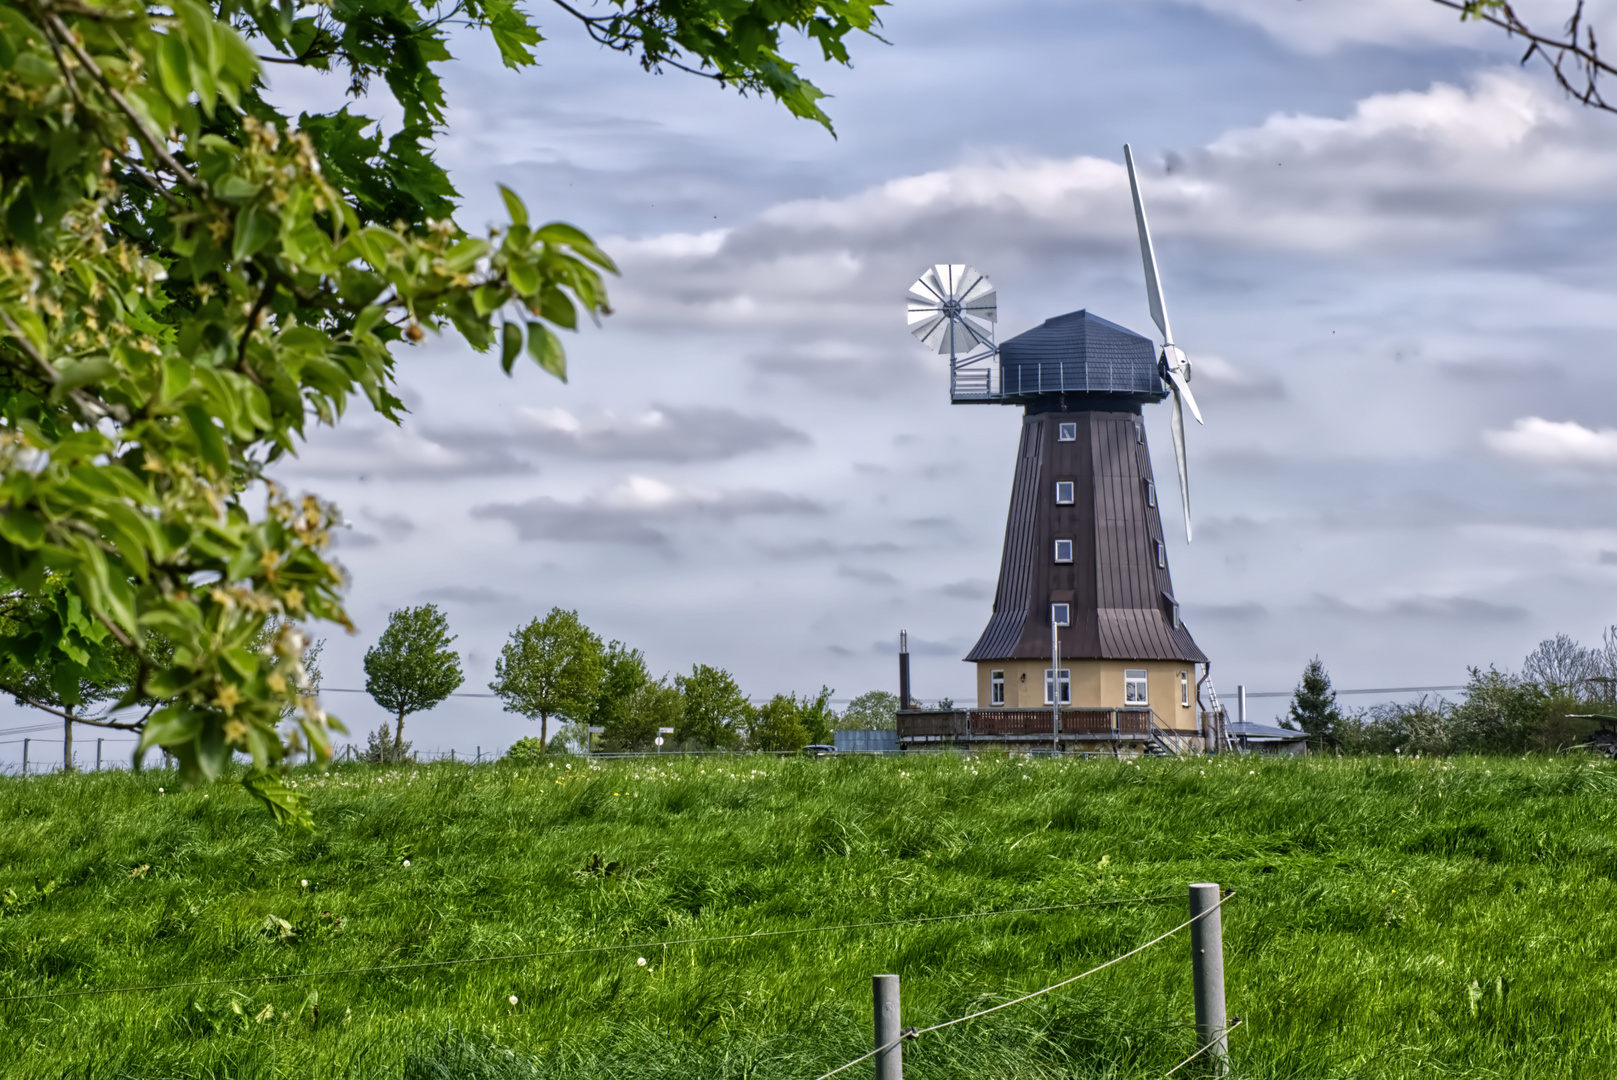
[(1173, 363)]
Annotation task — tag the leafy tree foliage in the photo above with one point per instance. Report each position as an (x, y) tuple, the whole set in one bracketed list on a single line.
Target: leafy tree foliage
[(551, 667), (869, 712), (716, 713), (412, 667), (189, 278), (1313, 704), (623, 674), (778, 725)]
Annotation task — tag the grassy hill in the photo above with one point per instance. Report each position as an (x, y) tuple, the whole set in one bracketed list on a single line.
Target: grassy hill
[(1392, 919)]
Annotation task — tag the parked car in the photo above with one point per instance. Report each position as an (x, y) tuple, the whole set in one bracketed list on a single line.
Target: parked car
[(818, 750)]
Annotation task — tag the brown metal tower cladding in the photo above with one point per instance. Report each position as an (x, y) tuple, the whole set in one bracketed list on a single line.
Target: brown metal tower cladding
[(1114, 578)]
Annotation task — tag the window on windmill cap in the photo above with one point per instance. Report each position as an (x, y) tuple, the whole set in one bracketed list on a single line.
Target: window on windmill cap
[(1064, 493), (1067, 432), (1150, 493), (1162, 555), (1063, 551)]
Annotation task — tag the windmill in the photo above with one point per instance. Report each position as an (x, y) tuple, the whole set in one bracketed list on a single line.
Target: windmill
[(1085, 615)]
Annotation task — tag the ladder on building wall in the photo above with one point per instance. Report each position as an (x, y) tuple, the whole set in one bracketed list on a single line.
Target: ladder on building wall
[(1212, 699)]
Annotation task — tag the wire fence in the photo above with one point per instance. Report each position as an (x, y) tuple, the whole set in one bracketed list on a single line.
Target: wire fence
[(916, 1033)]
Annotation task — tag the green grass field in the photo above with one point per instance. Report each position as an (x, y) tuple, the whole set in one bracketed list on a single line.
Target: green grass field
[(1419, 918)]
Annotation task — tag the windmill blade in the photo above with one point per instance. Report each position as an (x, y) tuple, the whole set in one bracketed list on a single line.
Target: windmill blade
[(1181, 389), (1179, 459), (1153, 283)]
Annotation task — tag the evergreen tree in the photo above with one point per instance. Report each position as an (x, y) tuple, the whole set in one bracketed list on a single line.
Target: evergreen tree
[(411, 667), (1313, 705)]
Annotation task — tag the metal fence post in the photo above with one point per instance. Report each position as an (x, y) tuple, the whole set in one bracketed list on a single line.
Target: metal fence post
[(25, 757), (98, 743), (890, 1062), (1207, 968)]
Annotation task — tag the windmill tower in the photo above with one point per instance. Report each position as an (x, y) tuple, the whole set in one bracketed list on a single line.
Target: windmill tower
[(1085, 615)]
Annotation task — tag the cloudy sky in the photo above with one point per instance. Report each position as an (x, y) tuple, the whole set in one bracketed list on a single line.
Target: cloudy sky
[(1387, 248)]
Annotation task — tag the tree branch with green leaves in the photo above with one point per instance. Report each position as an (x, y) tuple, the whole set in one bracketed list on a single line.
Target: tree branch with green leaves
[(189, 279)]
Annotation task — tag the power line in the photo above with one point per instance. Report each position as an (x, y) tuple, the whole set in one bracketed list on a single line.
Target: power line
[(381, 968), (1373, 690)]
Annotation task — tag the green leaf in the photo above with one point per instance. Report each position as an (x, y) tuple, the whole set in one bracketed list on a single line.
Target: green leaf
[(90, 369), (554, 305), (255, 227), (27, 531), (210, 440), (174, 69), (546, 350), (169, 727), (513, 206), (523, 275), (510, 345), (288, 806)]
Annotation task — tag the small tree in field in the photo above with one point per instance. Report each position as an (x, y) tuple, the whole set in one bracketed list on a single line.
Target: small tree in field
[(551, 667), (716, 712), (1313, 704), (870, 712), (411, 667)]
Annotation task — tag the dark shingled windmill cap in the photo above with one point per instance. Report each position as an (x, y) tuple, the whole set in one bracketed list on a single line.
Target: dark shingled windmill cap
[(1080, 353)]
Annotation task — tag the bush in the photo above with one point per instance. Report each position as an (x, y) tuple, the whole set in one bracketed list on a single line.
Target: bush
[(525, 751)]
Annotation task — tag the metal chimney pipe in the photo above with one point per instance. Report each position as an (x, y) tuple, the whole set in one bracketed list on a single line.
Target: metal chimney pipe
[(904, 670)]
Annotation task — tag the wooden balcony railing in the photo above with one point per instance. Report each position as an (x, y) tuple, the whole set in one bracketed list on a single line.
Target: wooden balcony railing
[(1030, 723)]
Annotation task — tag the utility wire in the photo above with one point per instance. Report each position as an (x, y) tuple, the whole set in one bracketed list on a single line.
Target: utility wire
[(1372, 690), (1224, 1034), (383, 968), (916, 1033)]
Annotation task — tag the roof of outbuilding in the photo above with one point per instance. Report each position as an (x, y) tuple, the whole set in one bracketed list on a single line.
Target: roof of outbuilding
[(1249, 730), (1080, 353)]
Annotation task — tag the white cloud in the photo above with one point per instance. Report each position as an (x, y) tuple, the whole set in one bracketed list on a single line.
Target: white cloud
[(1320, 26), (665, 433), (1551, 442)]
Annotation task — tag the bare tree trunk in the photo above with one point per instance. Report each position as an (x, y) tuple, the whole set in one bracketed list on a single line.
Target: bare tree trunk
[(544, 730), (398, 738), (67, 740)]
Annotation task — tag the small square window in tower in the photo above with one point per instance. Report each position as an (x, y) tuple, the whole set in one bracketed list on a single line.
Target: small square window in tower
[(1150, 493), (1066, 432), (1184, 689), (1162, 556), (1134, 686), (1061, 614), (1061, 679), (1064, 493), (996, 688), (1063, 551)]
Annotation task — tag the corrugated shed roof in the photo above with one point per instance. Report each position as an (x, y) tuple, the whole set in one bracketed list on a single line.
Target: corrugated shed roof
[(1080, 353)]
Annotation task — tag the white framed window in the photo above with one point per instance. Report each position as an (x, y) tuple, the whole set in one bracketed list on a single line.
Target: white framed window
[(1064, 493), (1054, 679), (996, 688), (1173, 606), (1184, 689), (1162, 555), (1134, 686), (1061, 614), (1066, 432), (1139, 432), (1150, 493), (1063, 551)]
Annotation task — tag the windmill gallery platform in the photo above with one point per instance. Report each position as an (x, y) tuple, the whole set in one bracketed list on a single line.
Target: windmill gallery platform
[(1085, 648)]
